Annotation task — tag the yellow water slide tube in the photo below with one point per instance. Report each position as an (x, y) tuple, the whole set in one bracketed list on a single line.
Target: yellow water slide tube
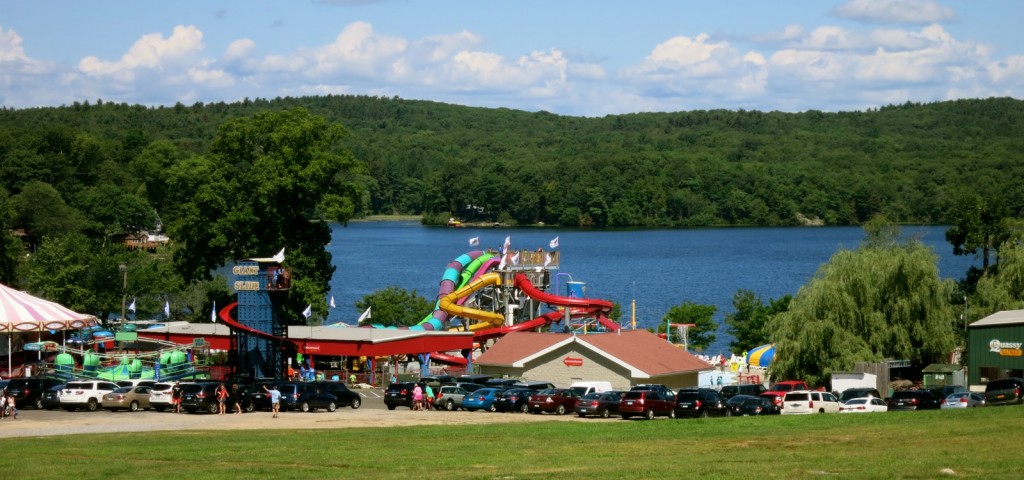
[(449, 303)]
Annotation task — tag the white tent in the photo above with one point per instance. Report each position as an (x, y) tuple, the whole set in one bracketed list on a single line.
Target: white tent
[(21, 312)]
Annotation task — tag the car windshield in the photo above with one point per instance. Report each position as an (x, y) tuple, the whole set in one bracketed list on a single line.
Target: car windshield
[(592, 396), (751, 401), (548, 391), (797, 397), (783, 387), (857, 401)]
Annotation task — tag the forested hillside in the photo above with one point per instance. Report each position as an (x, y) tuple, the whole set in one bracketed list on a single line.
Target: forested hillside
[(698, 168)]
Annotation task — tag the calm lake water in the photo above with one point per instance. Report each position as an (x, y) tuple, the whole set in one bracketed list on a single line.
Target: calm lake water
[(657, 268)]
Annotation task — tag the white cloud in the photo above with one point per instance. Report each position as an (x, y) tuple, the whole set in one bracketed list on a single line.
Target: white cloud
[(694, 67), (239, 49), (895, 11), (151, 51), (356, 50)]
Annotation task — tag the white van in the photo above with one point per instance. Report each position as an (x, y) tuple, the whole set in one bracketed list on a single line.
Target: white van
[(591, 387)]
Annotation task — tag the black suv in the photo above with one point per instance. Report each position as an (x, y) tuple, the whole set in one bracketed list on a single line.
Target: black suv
[(29, 391), (399, 394), (307, 397), (346, 397), (199, 397), (752, 389), (701, 402), (1001, 392)]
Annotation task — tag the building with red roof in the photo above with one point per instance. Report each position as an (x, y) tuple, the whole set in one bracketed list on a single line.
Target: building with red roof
[(625, 359)]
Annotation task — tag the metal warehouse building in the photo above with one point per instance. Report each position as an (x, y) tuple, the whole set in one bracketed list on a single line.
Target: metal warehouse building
[(994, 347)]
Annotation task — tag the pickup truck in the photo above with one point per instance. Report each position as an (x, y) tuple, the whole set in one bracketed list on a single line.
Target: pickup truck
[(777, 392)]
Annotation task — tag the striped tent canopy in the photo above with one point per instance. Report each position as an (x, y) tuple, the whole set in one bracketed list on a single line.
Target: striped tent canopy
[(21, 312), (761, 356)]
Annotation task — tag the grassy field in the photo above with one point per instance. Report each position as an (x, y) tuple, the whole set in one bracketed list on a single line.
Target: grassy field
[(982, 443)]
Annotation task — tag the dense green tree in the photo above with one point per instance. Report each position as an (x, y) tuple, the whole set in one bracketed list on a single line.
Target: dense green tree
[(395, 306), (868, 304), (702, 333), (747, 323), (978, 223), (41, 211), (11, 249)]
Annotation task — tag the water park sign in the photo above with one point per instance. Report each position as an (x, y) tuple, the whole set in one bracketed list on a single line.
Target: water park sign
[(573, 361), (1005, 349)]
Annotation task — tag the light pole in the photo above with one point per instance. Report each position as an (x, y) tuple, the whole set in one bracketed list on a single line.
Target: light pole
[(124, 291)]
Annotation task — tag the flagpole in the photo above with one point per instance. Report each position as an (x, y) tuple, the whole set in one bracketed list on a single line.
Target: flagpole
[(634, 305)]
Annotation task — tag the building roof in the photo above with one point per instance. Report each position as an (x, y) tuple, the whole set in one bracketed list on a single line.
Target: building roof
[(643, 353), (1005, 317), (942, 368)]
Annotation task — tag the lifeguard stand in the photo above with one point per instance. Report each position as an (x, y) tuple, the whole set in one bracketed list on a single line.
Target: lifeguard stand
[(261, 284)]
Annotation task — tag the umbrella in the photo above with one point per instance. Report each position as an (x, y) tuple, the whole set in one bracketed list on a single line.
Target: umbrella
[(21, 312), (761, 356)]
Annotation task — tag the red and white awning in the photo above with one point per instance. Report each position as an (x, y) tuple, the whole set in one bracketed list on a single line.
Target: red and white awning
[(21, 312)]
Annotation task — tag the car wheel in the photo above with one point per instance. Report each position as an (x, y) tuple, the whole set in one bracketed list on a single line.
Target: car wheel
[(331, 406), (560, 410), (605, 413), (449, 405), (672, 413), (249, 407), (134, 406), (213, 408), (38, 404), (492, 409), (356, 403), (305, 407), (649, 414), (524, 408), (91, 405)]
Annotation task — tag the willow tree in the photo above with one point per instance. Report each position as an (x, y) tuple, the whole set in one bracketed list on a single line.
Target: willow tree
[(884, 300)]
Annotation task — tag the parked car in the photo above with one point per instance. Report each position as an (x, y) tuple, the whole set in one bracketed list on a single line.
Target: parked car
[(947, 390), (449, 397), (129, 398), (481, 379), (260, 397), (777, 392), (85, 394), (913, 400), (1004, 391), (536, 386), (306, 397), (749, 405), (51, 397), (199, 397), (600, 404), (502, 383), (700, 402), (729, 391), (801, 402), (585, 388), (400, 394), (963, 400), (514, 400), (852, 393), (482, 399), (470, 386), (647, 404), (346, 397), (160, 396), (138, 382), (554, 400), (28, 392), (663, 390), (863, 405), (437, 381)]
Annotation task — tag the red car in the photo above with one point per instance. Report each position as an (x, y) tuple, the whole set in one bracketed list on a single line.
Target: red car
[(778, 390), (648, 404), (557, 400)]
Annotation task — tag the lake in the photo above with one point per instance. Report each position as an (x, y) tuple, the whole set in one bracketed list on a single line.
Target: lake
[(657, 268)]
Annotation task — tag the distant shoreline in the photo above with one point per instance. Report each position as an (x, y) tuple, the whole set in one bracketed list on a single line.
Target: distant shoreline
[(388, 218)]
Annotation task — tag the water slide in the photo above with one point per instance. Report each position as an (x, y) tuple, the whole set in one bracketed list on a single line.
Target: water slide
[(225, 315), (451, 305), (452, 278)]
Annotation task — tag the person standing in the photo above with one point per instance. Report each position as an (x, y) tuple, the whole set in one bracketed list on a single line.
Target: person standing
[(176, 397), (275, 398), (222, 399), (417, 397), (236, 397), (428, 398)]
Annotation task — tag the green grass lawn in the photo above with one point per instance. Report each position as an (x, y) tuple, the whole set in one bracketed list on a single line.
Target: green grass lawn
[(982, 443)]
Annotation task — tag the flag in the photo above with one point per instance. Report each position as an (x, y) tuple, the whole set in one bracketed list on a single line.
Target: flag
[(474, 241), (547, 259), (553, 243), (508, 244), (308, 312), (501, 265), (515, 259), (167, 309), (365, 315), (131, 308), (332, 302), (213, 312), (279, 257)]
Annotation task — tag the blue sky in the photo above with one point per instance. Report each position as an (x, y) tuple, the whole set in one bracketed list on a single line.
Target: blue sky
[(571, 57)]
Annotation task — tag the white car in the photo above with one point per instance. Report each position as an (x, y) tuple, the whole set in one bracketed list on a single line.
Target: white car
[(160, 396), (864, 405), (963, 400), (85, 394), (802, 402)]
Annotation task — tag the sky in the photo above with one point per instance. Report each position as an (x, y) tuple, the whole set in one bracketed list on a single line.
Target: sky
[(570, 57)]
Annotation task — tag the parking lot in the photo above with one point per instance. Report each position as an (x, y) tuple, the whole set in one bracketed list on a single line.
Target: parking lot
[(372, 413)]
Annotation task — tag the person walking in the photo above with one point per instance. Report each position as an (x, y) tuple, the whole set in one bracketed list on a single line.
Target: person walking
[(176, 397), (236, 398), (417, 397), (222, 399), (275, 398), (428, 398)]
